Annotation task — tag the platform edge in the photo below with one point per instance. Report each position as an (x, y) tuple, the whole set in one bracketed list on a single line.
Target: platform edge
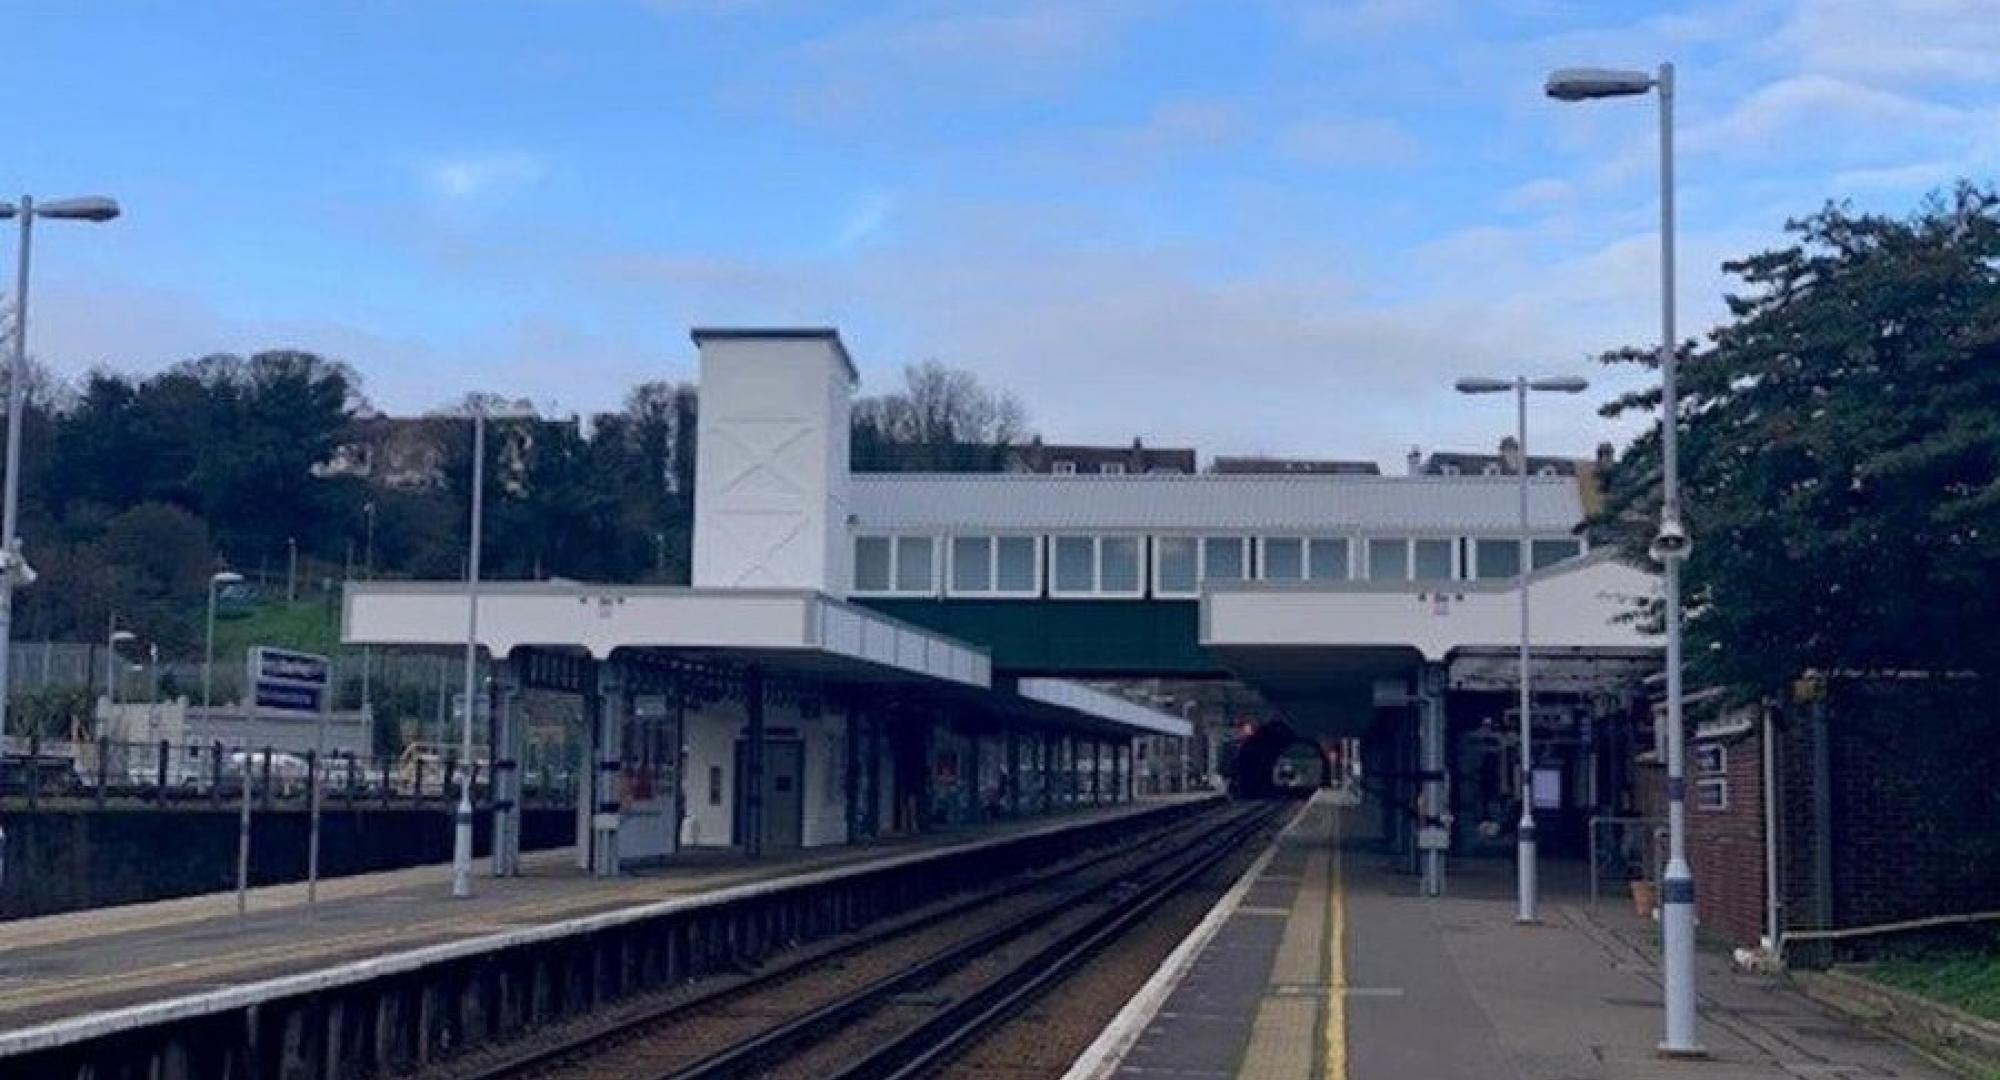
[(1105, 1053)]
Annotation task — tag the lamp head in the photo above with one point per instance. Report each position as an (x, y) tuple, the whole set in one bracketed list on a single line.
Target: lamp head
[(1561, 384), (1475, 384), (1588, 84), (84, 208)]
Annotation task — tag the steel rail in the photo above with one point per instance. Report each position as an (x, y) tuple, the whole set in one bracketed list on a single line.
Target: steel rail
[(748, 1057), (928, 1046)]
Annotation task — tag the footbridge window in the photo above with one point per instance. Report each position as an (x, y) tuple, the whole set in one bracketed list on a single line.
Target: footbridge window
[(1097, 566), (1421, 558), (1283, 558), (1225, 558), (1176, 566), (995, 566), (889, 565), (1388, 559), (1182, 563), (1303, 558), (1497, 559), (1430, 559), (1551, 552)]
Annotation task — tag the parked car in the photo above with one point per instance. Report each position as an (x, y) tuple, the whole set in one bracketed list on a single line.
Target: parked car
[(288, 772)]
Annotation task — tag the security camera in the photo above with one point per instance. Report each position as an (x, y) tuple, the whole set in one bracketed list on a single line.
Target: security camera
[(1671, 543), (13, 565)]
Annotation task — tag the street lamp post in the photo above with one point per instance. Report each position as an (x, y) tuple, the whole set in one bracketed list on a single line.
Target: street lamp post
[(1525, 862), (368, 574), (152, 693), (14, 570), (291, 569), (461, 848), (1670, 547), (215, 581)]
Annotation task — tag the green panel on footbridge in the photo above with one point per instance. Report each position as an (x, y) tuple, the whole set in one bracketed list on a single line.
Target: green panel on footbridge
[(1070, 637)]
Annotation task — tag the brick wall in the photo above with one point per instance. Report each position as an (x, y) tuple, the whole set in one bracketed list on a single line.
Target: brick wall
[(1726, 844), (1914, 805)]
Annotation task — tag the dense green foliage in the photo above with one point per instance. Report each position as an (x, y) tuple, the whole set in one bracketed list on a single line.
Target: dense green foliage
[(1840, 453)]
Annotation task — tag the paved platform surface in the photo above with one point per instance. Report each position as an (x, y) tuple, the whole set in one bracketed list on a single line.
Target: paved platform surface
[(78, 963), (1331, 967)]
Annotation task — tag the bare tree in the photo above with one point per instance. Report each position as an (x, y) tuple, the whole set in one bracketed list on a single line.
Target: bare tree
[(943, 420)]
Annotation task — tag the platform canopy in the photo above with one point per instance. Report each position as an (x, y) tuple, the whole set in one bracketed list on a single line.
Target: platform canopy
[(1315, 650), (797, 630), (1110, 708)]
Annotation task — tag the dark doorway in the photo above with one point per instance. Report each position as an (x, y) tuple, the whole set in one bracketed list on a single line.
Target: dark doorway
[(784, 794)]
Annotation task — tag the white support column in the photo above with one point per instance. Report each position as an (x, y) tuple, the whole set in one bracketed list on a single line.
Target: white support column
[(750, 830), (506, 705), (1013, 783), (853, 788), (586, 781), (1434, 831), (609, 706)]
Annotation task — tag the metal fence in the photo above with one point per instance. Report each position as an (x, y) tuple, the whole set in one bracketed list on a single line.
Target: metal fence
[(430, 680), (106, 772), (1624, 850)]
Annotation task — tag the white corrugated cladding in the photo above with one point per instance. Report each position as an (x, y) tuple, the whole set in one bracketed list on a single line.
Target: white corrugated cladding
[(1371, 504)]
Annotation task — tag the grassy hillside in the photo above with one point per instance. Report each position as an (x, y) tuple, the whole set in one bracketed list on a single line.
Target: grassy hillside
[(308, 625)]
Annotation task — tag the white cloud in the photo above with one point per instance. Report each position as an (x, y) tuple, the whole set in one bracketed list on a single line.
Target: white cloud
[(1177, 126), (1539, 194), (480, 175), (1805, 111), (1024, 49), (1174, 133), (1349, 141), (1912, 41), (866, 220)]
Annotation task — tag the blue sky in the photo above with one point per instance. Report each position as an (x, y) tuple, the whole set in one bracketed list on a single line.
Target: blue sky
[(1254, 225)]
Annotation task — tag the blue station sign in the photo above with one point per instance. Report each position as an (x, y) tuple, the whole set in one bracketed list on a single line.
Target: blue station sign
[(288, 680)]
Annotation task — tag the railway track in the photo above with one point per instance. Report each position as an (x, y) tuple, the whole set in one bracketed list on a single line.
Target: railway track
[(901, 1001)]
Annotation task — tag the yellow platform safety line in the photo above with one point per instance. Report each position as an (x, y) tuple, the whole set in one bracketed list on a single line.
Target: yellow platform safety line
[(1336, 949)]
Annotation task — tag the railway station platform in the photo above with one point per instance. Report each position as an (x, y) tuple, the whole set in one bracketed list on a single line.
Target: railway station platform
[(1321, 963), (71, 978)]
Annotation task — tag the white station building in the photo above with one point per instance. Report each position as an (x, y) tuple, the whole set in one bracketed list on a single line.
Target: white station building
[(862, 654)]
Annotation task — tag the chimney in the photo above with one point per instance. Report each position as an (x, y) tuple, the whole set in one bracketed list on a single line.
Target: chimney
[(1605, 456), (1510, 455), (1415, 460)]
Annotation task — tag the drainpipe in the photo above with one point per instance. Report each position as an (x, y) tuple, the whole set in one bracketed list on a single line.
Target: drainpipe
[(1822, 818), (1774, 941)]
